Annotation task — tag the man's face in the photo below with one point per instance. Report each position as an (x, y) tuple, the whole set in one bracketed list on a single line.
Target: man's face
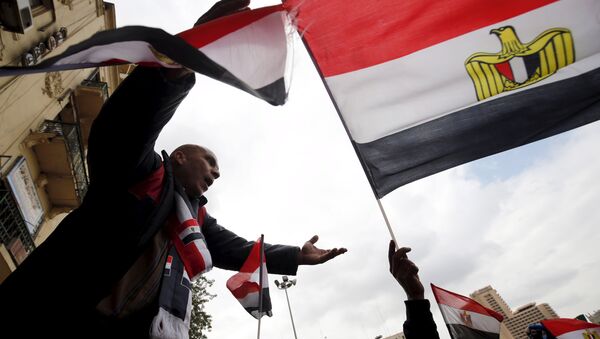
[(196, 169)]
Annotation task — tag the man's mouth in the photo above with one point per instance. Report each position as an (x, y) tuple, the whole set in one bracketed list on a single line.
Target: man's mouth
[(208, 181)]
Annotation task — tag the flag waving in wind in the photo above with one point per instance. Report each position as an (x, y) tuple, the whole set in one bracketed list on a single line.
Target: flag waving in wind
[(247, 50), (251, 285), (423, 86), (466, 318), (572, 329)]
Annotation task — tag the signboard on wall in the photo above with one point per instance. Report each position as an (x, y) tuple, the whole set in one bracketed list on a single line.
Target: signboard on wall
[(21, 184)]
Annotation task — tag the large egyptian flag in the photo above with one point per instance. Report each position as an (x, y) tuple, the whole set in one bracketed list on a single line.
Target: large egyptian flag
[(247, 50), (252, 283), (466, 318), (572, 329), (423, 86)]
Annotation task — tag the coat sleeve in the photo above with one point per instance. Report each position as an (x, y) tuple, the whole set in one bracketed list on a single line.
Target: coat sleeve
[(229, 251), (419, 320), (121, 143)]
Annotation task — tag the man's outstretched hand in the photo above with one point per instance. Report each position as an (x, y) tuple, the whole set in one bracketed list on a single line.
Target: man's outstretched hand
[(311, 255), (405, 272)]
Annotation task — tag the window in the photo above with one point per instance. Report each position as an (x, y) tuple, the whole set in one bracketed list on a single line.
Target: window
[(40, 6)]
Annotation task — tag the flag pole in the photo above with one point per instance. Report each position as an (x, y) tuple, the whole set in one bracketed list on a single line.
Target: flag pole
[(260, 282), (360, 158), (387, 223)]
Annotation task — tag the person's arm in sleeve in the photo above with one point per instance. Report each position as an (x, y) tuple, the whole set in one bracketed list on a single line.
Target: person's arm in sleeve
[(419, 320), (229, 251), (122, 138)]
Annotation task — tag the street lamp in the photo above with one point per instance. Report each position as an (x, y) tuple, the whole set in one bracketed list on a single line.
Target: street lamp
[(284, 285)]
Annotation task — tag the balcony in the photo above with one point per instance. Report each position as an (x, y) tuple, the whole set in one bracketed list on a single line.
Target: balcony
[(89, 98), (59, 154)]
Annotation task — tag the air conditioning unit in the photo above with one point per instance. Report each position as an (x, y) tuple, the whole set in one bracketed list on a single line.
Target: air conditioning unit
[(15, 15)]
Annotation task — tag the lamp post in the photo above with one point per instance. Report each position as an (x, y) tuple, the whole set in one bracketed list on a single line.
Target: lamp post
[(284, 285)]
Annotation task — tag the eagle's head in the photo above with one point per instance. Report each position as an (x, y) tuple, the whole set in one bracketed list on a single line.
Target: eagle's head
[(509, 39)]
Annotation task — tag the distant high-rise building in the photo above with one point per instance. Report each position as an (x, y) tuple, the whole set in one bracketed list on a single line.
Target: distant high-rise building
[(515, 323), (490, 298), (525, 315), (594, 317)]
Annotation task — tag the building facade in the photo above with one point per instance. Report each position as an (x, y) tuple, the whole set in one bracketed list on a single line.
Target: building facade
[(515, 323), (396, 336), (525, 315), (490, 298), (45, 119), (594, 317)]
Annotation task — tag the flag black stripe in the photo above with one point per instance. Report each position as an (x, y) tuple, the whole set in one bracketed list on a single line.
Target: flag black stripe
[(481, 130), (172, 46), (191, 237)]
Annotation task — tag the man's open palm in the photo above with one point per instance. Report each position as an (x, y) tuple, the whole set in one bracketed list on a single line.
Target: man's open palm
[(311, 255)]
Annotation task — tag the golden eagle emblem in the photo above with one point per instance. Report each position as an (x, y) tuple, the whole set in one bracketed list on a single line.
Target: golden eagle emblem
[(161, 57), (517, 64), (591, 334)]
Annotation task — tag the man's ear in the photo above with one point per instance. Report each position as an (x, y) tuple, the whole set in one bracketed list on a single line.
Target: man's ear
[(179, 157)]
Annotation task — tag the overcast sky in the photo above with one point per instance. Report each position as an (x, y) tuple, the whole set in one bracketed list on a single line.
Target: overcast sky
[(525, 221)]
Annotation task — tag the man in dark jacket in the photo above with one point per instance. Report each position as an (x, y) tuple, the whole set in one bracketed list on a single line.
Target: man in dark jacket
[(99, 273), (419, 322)]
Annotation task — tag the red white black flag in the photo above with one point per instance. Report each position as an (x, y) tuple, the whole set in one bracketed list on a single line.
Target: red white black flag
[(423, 86), (466, 318), (247, 50), (248, 287), (572, 329)]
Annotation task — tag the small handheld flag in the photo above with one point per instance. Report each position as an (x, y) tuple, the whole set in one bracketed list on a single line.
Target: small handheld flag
[(248, 287), (466, 318), (571, 329)]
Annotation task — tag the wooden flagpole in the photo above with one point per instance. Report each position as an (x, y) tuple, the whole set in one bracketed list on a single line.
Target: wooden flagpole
[(360, 158), (260, 282)]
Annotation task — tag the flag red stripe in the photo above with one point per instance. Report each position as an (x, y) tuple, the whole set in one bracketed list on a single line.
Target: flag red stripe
[(213, 30), (246, 288), (561, 326), (251, 264), (345, 36), (187, 223), (461, 302)]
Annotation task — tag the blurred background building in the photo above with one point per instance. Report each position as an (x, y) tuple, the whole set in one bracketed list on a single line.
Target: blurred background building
[(45, 119), (594, 317), (515, 323)]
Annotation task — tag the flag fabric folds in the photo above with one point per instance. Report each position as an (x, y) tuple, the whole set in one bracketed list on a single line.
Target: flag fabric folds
[(572, 329), (246, 285), (425, 86), (466, 318), (247, 50)]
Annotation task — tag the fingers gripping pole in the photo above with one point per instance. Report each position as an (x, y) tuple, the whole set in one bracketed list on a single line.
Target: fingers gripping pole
[(387, 222)]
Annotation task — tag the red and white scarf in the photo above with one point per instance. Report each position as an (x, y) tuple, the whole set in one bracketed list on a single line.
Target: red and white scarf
[(188, 257)]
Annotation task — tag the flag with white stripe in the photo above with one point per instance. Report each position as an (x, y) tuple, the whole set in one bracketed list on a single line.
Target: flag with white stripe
[(423, 86), (572, 329), (466, 318), (246, 285), (247, 50)]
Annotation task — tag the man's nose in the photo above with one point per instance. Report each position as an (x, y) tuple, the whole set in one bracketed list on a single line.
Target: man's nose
[(215, 172)]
